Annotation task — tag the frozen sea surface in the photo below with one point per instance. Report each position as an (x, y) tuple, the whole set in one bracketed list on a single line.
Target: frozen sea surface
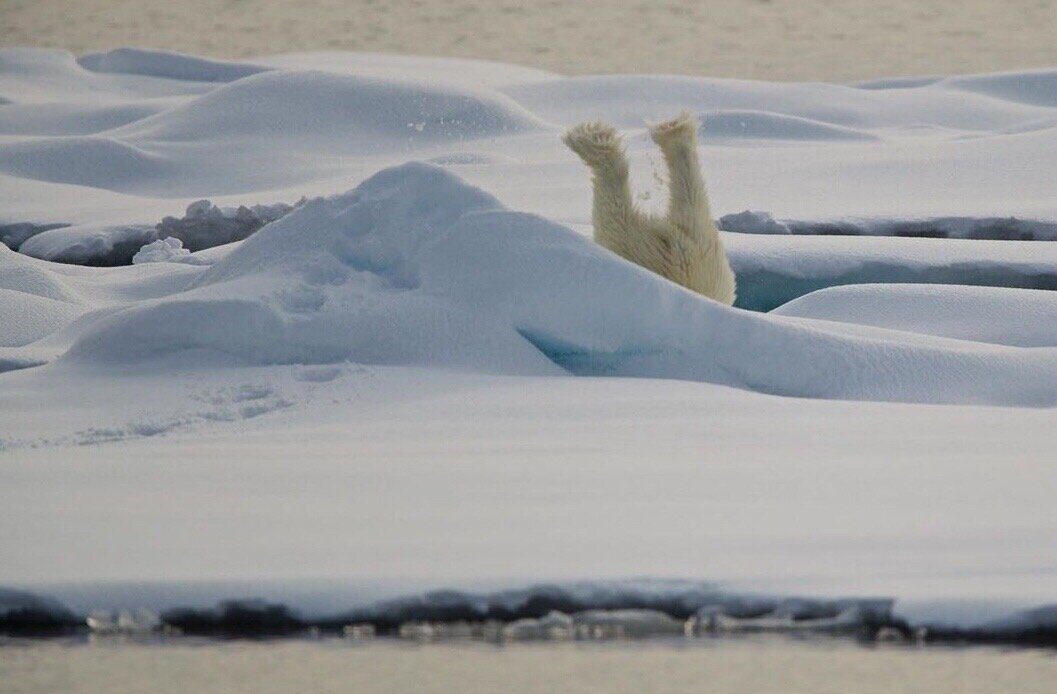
[(423, 369)]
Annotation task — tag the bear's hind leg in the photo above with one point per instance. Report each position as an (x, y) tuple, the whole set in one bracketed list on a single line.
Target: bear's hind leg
[(687, 201), (613, 211), (703, 258)]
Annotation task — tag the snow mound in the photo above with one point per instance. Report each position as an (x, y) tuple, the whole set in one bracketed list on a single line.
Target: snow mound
[(173, 66), (34, 303), (38, 75), (313, 111), (94, 160), (824, 111), (628, 100), (1036, 87), (29, 276), (27, 318), (89, 244), (415, 267), (14, 235), (1001, 316), (65, 119), (399, 66), (759, 125), (341, 278)]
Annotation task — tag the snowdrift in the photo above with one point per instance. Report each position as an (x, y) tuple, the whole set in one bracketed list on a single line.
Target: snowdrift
[(1014, 317), (312, 110), (113, 141), (166, 64), (415, 267)]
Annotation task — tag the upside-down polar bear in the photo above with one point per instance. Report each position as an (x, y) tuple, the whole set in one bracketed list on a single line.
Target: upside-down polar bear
[(684, 244)]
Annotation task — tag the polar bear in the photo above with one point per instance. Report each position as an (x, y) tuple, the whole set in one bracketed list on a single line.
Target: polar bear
[(682, 245)]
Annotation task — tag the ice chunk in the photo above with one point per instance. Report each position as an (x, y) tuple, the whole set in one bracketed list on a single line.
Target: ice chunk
[(752, 222), (167, 250), (205, 225)]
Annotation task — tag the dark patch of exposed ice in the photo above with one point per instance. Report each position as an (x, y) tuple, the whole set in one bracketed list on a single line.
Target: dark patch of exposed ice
[(767, 288), (981, 228), (13, 235), (237, 618), (752, 222), (203, 225), (26, 614), (626, 609)]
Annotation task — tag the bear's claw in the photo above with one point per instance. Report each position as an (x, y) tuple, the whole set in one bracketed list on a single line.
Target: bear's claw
[(594, 141), (682, 128)]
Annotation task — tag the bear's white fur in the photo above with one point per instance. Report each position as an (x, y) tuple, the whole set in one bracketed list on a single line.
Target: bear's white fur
[(684, 244)]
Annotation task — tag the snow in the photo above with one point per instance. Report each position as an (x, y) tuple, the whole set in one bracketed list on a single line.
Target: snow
[(379, 276), (28, 317), (89, 244), (351, 307), (167, 250), (393, 473), (174, 66), (1001, 316)]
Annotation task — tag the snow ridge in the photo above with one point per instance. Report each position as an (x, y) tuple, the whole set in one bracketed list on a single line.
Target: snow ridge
[(415, 267)]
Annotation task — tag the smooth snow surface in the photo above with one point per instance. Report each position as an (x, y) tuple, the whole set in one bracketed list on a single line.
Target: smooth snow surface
[(386, 377), (1014, 317)]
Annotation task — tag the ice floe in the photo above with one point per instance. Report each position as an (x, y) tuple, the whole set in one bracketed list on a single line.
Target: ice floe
[(433, 316)]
